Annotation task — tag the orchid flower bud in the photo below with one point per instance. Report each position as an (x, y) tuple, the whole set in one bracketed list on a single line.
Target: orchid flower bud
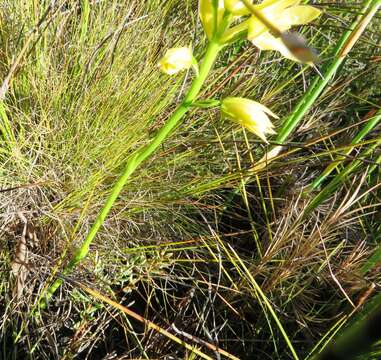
[(175, 60), (211, 14)]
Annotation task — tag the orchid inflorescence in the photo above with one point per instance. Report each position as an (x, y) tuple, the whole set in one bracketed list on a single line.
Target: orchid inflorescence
[(267, 26)]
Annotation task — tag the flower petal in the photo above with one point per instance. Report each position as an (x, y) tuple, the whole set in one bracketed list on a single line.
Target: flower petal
[(260, 125), (265, 109), (300, 15), (276, 5), (257, 132), (255, 28), (273, 11), (283, 14), (236, 7), (266, 41)]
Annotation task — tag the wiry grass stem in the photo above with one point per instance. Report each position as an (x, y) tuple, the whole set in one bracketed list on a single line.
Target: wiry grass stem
[(343, 175), (372, 122)]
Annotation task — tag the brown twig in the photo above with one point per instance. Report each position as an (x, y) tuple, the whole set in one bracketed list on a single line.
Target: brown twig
[(25, 186)]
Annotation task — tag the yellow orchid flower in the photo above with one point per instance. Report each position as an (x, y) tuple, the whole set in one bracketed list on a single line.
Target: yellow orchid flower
[(283, 14), (250, 114), (207, 15), (175, 60)]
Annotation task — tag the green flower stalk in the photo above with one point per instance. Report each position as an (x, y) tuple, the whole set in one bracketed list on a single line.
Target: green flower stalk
[(215, 22)]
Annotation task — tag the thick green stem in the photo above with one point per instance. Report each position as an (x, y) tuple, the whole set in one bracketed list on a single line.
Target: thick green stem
[(137, 158), (357, 339)]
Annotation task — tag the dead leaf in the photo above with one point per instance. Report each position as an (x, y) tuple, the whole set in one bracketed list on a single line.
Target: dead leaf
[(20, 262)]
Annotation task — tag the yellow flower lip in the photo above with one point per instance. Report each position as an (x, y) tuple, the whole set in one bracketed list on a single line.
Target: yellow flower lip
[(175, 60), (250, 114)]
